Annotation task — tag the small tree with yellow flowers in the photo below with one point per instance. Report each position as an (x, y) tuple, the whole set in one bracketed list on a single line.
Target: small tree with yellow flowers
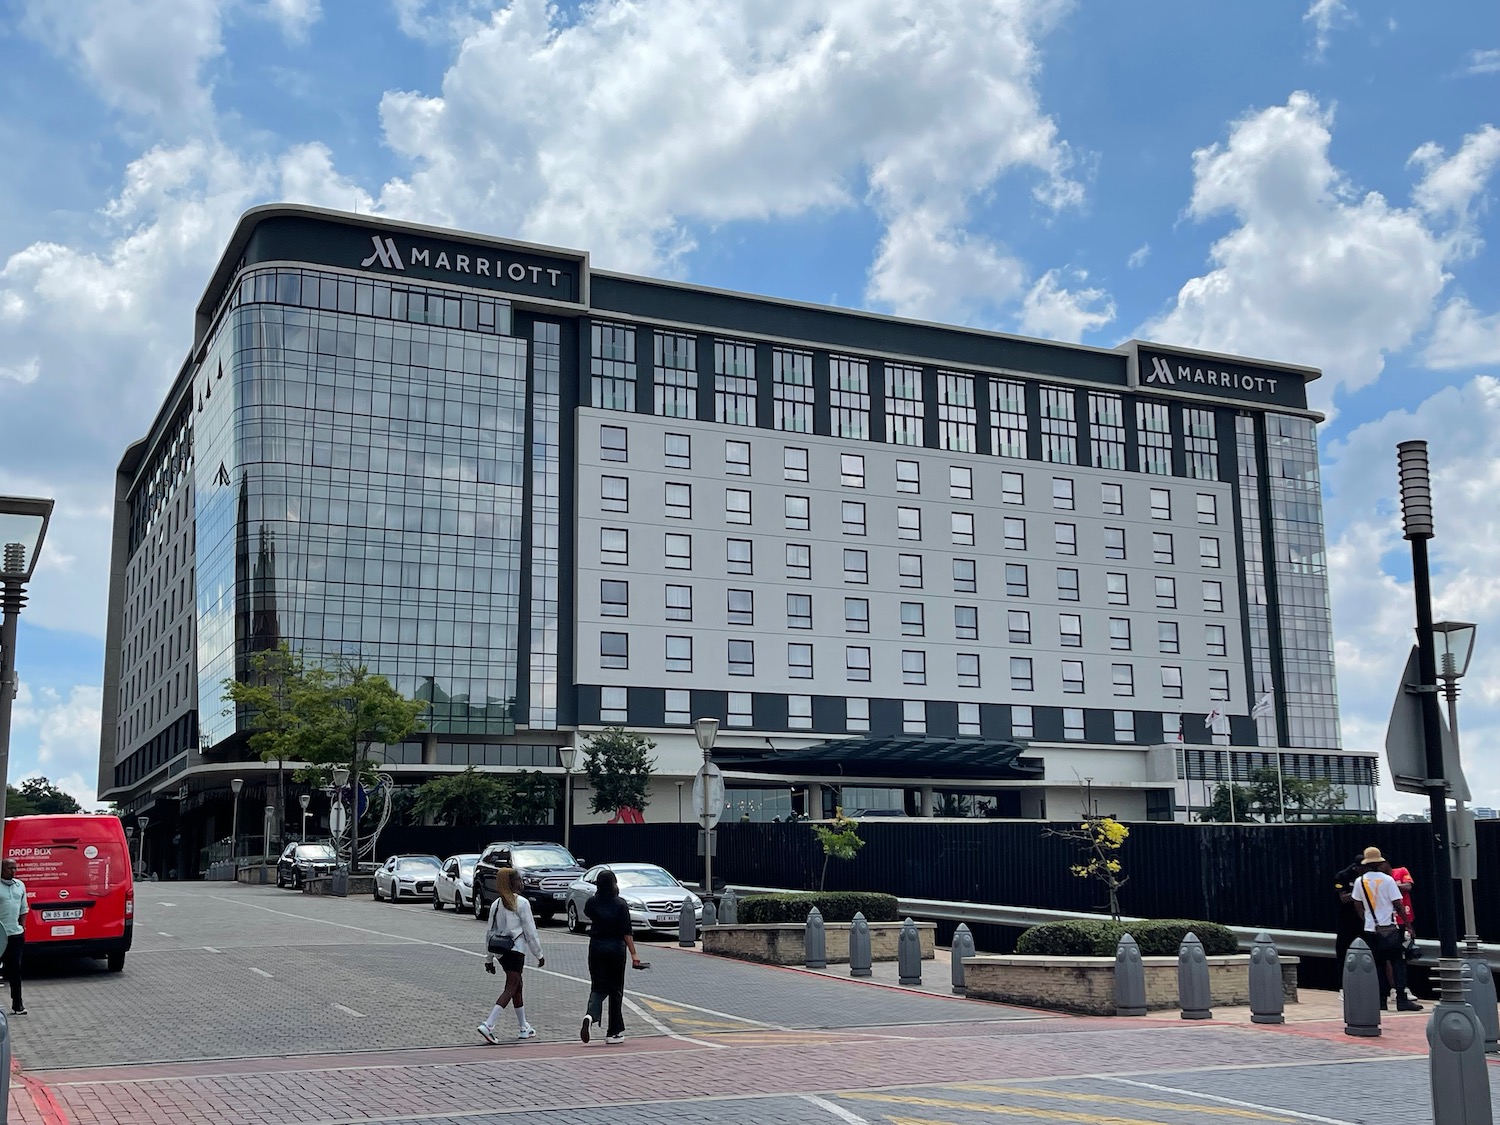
[(1100, 839)]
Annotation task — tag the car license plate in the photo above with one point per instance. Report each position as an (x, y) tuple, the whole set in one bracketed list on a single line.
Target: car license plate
[(671, 919), (61, 915), (63, 931)]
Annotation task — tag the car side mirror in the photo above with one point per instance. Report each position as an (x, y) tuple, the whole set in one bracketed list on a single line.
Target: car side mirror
[(578, 859)]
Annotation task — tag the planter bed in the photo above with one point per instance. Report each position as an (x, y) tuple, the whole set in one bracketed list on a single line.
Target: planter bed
[(783, 944), (323, 885), (1087, 984)]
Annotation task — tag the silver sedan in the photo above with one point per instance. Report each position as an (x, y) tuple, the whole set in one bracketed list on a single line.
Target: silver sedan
[(655, 898), (406, 876), (455, 882)]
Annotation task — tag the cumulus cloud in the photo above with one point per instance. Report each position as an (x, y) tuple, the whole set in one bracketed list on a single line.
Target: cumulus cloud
[(1315, 272), (66, 729), (1052, 310), (1463, 337)]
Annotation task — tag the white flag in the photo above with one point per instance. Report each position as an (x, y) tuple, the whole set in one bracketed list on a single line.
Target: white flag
[(1212, 718), (1264, 707)]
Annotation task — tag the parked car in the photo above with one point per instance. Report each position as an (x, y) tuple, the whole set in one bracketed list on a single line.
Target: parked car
[(300, 862), (455, 882), (407, 876), (655, 898), (546, 870)]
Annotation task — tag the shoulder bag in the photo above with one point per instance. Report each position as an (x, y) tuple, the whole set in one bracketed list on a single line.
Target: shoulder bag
[(499, 941)]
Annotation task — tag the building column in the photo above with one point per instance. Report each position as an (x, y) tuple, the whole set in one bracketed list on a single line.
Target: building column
[(927, 809), (429, 750), (814, 800)]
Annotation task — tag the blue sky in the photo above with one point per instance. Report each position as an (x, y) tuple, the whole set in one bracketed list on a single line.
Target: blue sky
[(1310, 182)]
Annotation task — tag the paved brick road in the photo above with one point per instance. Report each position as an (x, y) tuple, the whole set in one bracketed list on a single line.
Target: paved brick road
[(259, 1007)]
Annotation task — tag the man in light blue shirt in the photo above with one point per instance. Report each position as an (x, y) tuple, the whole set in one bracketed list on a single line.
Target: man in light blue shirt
[(13, 911)]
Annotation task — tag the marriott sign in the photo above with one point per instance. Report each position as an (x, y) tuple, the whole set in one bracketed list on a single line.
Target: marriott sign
[(1220, 377)]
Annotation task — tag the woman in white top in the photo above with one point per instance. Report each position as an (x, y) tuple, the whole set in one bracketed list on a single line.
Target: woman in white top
[(510, 914)]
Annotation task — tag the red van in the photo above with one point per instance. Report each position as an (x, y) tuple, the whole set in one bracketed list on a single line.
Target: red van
[(76, 868)]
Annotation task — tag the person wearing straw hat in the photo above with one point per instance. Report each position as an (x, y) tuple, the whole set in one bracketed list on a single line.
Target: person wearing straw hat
[(1379, 896)]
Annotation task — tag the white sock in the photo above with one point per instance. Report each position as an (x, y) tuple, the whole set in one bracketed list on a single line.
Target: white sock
[(520, 1018), (494, 1017)]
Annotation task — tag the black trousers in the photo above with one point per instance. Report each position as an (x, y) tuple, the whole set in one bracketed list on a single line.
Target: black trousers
[(1390, 961), (607, 980), (11, 964)]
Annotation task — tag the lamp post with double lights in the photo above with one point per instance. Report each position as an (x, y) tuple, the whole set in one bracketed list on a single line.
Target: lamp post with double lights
[(23, 526), (234, 840), (568, 755)]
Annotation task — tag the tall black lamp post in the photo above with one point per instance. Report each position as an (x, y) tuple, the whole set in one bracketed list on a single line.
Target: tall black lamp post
[(568, 755), (23, 526)]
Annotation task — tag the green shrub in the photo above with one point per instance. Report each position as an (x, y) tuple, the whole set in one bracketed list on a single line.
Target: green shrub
[(835, 906), (1098, 937)]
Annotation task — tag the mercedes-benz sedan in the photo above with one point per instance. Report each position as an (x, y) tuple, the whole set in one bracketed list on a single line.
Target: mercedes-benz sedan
[(655, 898)]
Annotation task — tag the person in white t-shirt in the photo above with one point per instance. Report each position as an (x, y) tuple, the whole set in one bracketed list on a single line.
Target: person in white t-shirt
[(1380, 897)]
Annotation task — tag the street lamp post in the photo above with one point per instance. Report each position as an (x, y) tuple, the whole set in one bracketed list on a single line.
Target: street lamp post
[(234, 837), (1455, 645), (141, 822), (304, 801), (706, 730), (23, 526), (568, 755), (340, 778)]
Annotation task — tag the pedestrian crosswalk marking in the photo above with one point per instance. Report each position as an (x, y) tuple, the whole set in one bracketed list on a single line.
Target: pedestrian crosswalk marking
[(1033, 1111), (1113, 1099)]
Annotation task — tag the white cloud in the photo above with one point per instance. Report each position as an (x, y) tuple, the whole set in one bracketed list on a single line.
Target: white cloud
[(67, 734), (1314, 272), (438, 21), (1325, 16), (1484, 62), (294, 17), (1139, 257), (1058, 313), (1462, 337)]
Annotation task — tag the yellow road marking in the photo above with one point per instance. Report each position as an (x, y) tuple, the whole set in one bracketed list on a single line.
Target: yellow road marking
[(1018, 1111), (1111, 1099), (723, 1024), (658, 1006)]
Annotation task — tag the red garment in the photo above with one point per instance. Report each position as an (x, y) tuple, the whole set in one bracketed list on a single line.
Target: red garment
[(1402, 875)]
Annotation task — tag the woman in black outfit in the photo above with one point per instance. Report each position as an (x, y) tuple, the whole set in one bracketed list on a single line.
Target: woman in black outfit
[(610, 937)]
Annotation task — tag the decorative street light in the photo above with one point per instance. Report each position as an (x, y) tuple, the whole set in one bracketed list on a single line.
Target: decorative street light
[(23, 526), (706, 731), (340, 778), (234, 838), (304, 801), (569, 758), (142, 821), (1454, 641)]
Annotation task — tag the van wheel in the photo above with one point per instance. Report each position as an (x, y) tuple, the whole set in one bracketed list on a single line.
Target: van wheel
[(116, 962)]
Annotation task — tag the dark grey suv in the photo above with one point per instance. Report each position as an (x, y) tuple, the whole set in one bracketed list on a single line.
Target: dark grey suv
[(301, 862), (546, 870)]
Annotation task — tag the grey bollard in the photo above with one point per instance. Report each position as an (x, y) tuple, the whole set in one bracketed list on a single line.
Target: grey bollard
[(814, 942), (909, 954), (1455, 1040), (729, 908), (1130, 978), (1480, 992), (1267, 996), (710, 913), (687, 926), (963, 946), (4, 1066), (1193, 995), (1361, 992), (859, 947)]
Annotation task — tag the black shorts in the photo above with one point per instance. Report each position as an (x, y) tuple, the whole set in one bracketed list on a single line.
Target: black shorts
[(512, 962)]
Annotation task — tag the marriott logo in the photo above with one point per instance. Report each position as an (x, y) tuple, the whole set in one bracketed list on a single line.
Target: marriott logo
[(387, 255), (1170, 375)]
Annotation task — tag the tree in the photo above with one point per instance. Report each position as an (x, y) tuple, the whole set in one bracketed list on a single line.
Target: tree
[(470, 797), (530, 797), (1270, 799), (619, 769), (267, 699), (37, 795), (839, 840), (1100, 839)]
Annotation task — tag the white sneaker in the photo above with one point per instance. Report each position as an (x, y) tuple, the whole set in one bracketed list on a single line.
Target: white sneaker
[(527, 1032), (487, 1033), (583, 1032), (615, 1038)]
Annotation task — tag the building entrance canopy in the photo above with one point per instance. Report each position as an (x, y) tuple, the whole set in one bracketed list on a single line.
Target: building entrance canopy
[(899, 758)]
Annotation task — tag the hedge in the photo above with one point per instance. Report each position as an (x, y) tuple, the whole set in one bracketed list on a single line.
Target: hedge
[(1099, 937), (835, 906)]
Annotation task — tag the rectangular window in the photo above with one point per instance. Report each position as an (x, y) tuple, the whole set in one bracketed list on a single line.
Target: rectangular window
[(614, 650), (1017, 583), (1171, 726), (1167, 637), (909, 523), (1106, 431), (1018, 626), (1218, 684), (963, 528), (857, 664), (913, 666), (853, 512), (1154, 437), (1161, 548), (742, 658), (740, 714), (799, 661), (741, 607), (852, 470), (1007, 418), (1201, 439), (799, 712), (1062, 494), (913, 620), (679, 603), (1059, 426), (857, 567), (614, 546), (1213, 597), (614, 598), (1208, 552), (677, 451), (613, 443), (1166, 593), (1119, 634), (679, 551), (1065, 537), (1171, 681), (964, 581), (1214, 640), (1123, 676), (903, 404), (1124, 726), (1020, 673), (1070, 630), (798, 513), (1022, 723), (739, 556), (799, 560), (968, 720), (614, 704), (736, 505), (1208, 508), (1118, 588), (1161, 504), (679, 654), (737, 458), (956, 412), (1072, 677), (908, 476), (794, 464), (679, 707), (793, 373), (612, 365), (1114, 543), (1073, 723), (1067, 584), (679, 501), (1015, 533), (1012, 488), (734, 383), (966, 622), (614, 494), (856, 615), (676, 375), (849, 384), (1112, 499), (856, 715), (960, 482), (913, 716), (968, 669)]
